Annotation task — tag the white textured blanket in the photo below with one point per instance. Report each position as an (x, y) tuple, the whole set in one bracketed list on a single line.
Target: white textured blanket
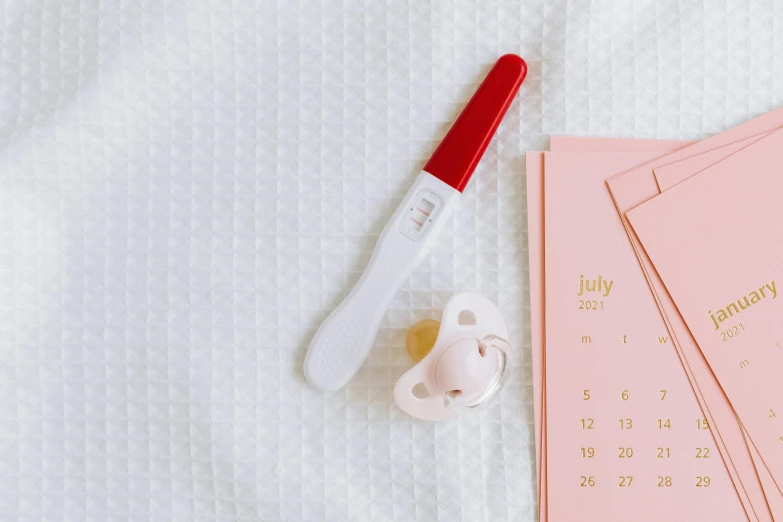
[(188, 188)]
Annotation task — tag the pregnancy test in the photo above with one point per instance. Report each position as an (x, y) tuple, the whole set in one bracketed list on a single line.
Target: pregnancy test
[(344, 339)]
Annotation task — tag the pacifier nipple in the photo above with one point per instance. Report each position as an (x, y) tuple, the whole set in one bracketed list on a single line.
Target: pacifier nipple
[(421, 338), (466, 369)]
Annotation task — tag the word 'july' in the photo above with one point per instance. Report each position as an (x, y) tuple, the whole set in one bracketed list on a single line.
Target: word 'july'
[(595, 285), (744, 302)]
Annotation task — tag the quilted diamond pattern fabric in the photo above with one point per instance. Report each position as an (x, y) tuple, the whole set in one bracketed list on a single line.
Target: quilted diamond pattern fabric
[(187, 188)]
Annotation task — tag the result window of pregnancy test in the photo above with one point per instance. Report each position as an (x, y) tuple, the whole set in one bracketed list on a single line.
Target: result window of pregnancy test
[(420, 213)]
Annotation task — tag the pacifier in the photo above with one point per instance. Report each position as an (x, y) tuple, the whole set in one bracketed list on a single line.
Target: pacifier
[(461, 362)]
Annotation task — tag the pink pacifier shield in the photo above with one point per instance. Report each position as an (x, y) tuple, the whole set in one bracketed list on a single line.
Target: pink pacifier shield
[(466, 367)]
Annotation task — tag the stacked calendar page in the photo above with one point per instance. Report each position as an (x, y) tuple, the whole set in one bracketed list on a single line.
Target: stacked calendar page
[(656, 326)]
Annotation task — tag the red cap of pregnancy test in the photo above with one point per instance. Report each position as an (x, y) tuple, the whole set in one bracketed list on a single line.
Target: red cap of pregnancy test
[(456, 157)]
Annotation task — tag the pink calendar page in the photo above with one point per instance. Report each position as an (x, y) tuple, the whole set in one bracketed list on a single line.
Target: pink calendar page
[(534, 166), (639, 185), (667, 177), (751, 478), (622, 424), (535, 210), (707, 265)]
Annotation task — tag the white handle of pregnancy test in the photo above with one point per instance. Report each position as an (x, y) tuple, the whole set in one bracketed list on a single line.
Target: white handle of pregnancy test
[(343, 341)]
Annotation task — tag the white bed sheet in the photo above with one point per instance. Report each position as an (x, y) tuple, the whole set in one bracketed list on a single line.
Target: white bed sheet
[(187, 188)]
